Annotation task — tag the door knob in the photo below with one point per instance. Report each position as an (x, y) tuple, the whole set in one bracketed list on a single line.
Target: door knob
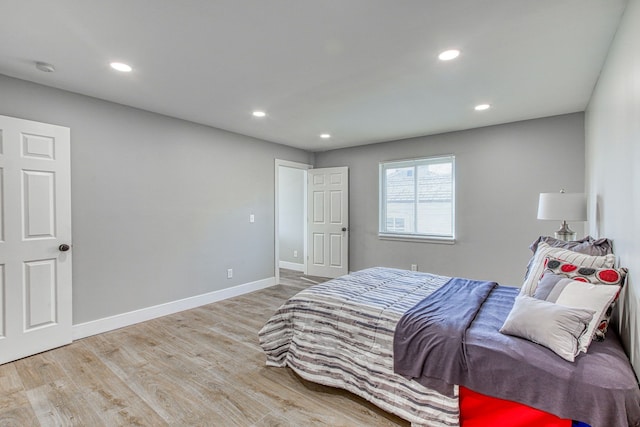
[(344, 228), (64, 247)]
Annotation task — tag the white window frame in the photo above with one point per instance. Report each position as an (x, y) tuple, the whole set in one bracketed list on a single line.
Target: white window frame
[(414, 236)]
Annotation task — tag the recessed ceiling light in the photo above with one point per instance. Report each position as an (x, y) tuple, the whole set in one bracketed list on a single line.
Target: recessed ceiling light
[(325, 136), (259, 114), (448, 55), (482, 107), (119, 66)]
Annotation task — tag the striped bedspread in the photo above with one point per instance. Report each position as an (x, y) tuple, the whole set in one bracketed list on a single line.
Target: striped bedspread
[(340, 334)]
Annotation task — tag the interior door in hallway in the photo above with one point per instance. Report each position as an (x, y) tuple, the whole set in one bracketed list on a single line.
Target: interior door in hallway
[(328, 222), (35, 238)]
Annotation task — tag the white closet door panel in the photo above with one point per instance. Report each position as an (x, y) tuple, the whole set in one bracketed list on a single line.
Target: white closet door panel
[(40, 293), (39, 202)]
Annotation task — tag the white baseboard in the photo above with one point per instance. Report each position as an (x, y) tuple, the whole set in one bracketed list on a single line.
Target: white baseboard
[(107, 324), (291, 265)]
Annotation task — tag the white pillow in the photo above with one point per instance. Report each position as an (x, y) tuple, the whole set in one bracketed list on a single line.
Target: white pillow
[(554, 326), (577, 294), (544, 250)]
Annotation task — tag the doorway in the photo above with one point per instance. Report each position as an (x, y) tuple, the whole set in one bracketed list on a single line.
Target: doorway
[(311, 219), (291, 214)]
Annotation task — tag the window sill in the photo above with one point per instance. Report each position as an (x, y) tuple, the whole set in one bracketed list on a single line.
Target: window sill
[(420, 239)]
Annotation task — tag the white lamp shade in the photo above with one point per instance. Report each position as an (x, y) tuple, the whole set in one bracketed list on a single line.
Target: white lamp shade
[(562, 206)]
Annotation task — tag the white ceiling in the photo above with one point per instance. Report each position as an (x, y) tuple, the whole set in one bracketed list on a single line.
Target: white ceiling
[(364, 71)]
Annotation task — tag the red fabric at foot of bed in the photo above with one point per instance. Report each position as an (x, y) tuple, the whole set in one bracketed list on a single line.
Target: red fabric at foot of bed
[(478, 410)]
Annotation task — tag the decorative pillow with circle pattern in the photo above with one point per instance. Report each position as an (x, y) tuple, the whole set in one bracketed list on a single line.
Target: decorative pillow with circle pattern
[(596, 276), (537, 266)]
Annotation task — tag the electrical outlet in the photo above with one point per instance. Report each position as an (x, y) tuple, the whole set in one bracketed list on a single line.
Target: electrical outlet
[(414, 267), (295, 254), (252, 218), (229, 273)]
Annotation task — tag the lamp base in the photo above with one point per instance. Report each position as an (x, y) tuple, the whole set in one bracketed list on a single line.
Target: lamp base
[(565, 233)]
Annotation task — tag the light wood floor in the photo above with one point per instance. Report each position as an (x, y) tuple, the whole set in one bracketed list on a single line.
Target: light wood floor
[(199, 367)]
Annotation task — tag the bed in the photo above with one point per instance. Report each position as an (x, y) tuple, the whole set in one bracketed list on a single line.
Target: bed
[(341, 333)]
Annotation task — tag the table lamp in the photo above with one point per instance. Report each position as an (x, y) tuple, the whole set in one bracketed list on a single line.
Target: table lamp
[(563, 207)]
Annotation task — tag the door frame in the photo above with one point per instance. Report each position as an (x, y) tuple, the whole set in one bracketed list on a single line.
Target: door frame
[(294, 165)]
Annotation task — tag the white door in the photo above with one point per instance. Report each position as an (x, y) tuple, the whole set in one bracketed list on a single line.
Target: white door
[(328, 222), (35, 223)]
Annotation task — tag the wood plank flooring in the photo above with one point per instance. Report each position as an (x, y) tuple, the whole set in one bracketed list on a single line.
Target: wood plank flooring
[(201, 367)]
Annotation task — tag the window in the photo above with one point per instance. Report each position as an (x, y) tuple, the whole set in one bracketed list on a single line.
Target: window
[(417, 198), (395, 224)]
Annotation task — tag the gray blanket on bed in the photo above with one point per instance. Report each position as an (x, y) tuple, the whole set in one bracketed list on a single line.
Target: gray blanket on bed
[(466, 348), (434, 331)]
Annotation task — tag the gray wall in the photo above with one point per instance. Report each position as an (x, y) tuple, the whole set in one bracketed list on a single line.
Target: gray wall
[(500, 171), (613, 172), (160, 206), (291, 213)]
